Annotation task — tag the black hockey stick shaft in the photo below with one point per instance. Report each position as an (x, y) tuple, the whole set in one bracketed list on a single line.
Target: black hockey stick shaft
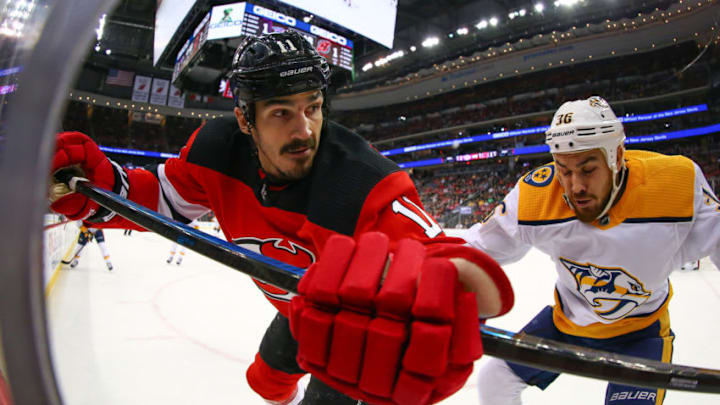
[(515, 347), (586, 362), (74, 256), (263, 268)]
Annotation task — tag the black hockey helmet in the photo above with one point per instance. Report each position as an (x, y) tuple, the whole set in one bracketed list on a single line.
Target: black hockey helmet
[(272, 65)]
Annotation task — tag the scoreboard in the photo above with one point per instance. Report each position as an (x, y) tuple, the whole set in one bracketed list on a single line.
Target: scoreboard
[(236, 19), (191, 47), (337, 49)]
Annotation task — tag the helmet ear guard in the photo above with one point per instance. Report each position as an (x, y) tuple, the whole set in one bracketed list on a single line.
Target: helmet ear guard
[(248, 111)]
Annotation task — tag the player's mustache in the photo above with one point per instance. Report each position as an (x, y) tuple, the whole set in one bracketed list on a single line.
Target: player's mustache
[(583, 194), (298, 144)]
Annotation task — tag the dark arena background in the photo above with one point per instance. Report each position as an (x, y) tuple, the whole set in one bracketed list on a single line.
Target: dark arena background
[(457, 93)]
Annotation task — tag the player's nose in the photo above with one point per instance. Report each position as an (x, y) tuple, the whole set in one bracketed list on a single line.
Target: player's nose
[(301, 126), (577, 185)]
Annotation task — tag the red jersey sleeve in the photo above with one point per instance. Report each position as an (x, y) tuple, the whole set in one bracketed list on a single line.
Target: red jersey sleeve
[(170, 189), (394, 208), (183, 194)]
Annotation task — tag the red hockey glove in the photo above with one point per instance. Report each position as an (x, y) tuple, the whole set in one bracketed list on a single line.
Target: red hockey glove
[(5, 394), (81, 154), (396, 329)]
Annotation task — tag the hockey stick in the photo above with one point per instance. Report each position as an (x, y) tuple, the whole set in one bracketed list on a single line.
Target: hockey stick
[(516, 347), (74, 256)]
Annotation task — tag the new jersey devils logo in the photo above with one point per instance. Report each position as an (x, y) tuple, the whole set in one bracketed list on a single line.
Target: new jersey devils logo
[(279, 249), (324, 46)]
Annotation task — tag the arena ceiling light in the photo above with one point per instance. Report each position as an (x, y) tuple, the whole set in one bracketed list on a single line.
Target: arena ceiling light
[(100, 30), (367, 67), (566, 3), (494, 21), (482, 25), (15, 16), (392, 56), (539, 7), (462, 31), (430, 42)]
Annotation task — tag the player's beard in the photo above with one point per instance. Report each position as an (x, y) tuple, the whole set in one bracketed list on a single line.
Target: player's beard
[(302, 166), (286, 167), (588, 213)]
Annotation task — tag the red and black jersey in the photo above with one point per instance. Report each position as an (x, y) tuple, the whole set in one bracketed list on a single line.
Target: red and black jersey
[(351, 189)]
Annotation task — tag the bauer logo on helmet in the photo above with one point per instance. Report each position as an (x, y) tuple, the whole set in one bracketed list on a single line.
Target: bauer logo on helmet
[(298, 71)]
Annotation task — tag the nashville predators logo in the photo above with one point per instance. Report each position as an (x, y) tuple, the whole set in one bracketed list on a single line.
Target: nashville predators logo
[(542, 176), (711, 200), (612, 292), (596, 101)]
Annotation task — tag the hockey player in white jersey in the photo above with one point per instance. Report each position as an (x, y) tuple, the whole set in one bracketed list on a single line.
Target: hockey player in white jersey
[(86, 235), (693, 265), (180, 249), (616, 223)]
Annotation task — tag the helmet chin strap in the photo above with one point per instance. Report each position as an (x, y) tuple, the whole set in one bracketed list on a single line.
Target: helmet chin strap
[(616, 185), (615, 190)]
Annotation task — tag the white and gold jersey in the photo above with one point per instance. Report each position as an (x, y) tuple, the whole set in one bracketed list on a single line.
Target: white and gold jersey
[(612, 278)]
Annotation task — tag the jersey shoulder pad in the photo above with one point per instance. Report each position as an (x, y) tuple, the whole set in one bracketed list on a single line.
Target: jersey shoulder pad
[(347, 168), (540, 199), (221, 146), (659, 187)]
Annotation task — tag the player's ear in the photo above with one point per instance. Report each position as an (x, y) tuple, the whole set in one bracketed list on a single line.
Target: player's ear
[(242, 122), (620, 156)]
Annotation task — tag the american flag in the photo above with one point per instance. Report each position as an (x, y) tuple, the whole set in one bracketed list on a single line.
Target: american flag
[(120, 77)]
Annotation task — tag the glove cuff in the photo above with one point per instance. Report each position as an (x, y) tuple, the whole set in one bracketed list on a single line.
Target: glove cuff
[(485, 262), (120, 187)]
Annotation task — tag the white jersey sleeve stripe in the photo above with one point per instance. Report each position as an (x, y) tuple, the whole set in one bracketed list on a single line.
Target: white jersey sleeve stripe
[(163, 207), (175, 200)]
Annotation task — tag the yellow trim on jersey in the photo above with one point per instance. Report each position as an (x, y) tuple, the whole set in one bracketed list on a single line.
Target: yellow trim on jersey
[(667, 349), (599, 330), (652, 177), (540, 203)]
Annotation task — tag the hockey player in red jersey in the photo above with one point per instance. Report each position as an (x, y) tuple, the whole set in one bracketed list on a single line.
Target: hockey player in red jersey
[(389, 310)]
